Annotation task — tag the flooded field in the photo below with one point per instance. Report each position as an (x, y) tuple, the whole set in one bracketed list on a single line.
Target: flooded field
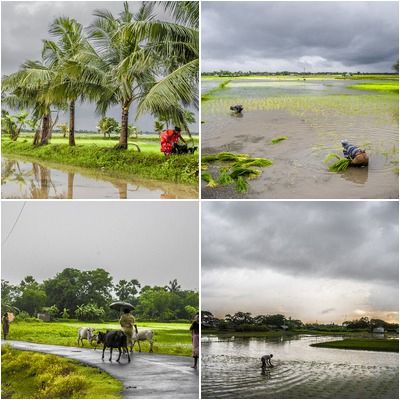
[(314, 116), (32, 180), (231, 368)]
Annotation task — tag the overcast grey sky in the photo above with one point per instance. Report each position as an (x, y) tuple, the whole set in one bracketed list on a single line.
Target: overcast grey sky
[(151, 241), (315, 36), (325, 261), (24, 24)]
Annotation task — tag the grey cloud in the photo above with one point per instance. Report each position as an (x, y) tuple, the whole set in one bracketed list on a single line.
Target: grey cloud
[(327, 311), (344, 240), (276, 35)]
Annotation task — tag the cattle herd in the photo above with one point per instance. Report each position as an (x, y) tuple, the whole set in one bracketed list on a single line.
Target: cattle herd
[(115, 339)]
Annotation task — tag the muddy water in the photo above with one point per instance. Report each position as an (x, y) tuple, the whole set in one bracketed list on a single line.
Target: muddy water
[(32, 180), (231, 369), (298, 170), (315, 116)]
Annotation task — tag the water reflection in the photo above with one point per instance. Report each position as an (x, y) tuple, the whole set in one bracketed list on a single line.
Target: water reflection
[(24, 179)]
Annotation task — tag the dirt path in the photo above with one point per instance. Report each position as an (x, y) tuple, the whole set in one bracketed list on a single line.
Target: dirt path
[(149, 375)]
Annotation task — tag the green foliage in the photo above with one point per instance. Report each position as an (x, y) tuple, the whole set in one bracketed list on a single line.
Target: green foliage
[(31, 296), (12, 125), (279, 139), (224, 177), (107, 126), (63, 129), (90, 312), (127, 291), (53, 311), (392, 87), (362, 344), (244, 172), (33, 375), (178, 169), (241, 185), (210, 94)]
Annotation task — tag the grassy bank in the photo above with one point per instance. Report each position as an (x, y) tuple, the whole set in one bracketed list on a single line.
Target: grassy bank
[(169, 338), (29, 375), (383, 77), (390, 87), (128, 164), (362, 344)]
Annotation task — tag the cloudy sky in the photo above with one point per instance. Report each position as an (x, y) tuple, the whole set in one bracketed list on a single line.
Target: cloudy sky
[(24, 24), (153, 242), (324, 261), (315, 36)]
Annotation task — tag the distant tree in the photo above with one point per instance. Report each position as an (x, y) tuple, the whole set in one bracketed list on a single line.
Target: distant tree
[(127, 290), (395, 66), (89, 312), (107, 125), (12, 125), (65, 314), (173, 286), (31, 296), (64, 129)]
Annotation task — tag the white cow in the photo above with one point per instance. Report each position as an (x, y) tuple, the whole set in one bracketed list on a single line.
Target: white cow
[(142, 336), (86, 333)]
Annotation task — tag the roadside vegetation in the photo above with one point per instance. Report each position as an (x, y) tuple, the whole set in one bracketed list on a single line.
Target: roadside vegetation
[(30, 375), (361, 344)]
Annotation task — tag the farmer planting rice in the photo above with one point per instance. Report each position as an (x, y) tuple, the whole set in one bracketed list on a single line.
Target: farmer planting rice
[(355, 154), (266, 361)]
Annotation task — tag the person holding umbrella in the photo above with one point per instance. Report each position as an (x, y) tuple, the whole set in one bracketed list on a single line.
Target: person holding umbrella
[(127, 322), (6, 325)]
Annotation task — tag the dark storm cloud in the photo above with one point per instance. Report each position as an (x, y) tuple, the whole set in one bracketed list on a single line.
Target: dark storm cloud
[(25, 24), (296, 35), (339, 240)]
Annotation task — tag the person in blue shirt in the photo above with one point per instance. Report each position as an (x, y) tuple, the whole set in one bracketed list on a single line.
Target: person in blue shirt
[(354, 153)]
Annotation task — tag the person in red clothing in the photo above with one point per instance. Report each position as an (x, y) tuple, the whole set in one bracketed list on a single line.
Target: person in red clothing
[(169, 138)]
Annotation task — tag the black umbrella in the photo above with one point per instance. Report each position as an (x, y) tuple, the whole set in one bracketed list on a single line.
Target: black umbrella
[(121, 305)]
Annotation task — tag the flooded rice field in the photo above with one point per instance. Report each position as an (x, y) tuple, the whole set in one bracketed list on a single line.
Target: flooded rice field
[(33, 180), (314, 116), (231, 368)]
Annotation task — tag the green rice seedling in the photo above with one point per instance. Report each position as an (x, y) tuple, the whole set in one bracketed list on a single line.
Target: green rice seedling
[(340, 165), (224, 156), (224, 177), (209, 179), (253, 162), (241, 185), (244, 172), (279, 139), (330, 157)]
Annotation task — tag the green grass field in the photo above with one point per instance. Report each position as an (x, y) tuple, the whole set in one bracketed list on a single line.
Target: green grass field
[(169, 338), (362, 344), (30, 375), (151, 164), (313, 76)]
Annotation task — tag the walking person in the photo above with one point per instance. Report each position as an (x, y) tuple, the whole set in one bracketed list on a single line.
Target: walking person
[(6, 325), (127, 322), (195, 340)]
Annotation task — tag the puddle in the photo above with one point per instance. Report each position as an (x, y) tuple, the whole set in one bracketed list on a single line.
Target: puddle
[(232, 369), (33, 180)]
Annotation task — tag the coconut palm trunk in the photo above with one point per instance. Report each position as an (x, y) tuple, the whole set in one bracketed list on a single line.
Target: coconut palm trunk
[(123, 138), (46, 129), (71, 136)]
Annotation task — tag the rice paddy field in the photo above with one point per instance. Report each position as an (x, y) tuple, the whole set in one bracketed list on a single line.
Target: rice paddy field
[(313, 115), (231, 368)]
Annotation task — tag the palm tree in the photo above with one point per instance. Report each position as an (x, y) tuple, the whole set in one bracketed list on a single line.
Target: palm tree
[(126, 69), (30, 87), (173, 286), (176, 46), (61, 56)]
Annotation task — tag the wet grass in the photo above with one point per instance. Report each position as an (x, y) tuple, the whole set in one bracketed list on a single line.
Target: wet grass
[(181, 169), (362, 344), (169, 338), (29, 375)]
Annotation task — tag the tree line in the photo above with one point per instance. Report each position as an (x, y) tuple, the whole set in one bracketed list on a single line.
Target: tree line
[(116, 60), (86, 295), (244, 321)]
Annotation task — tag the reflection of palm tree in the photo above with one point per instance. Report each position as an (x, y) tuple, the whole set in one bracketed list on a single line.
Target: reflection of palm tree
[(70, 190), (122, 189)]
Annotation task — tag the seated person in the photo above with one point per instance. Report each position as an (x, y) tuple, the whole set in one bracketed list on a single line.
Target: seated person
[(169, 138), (355, 154)]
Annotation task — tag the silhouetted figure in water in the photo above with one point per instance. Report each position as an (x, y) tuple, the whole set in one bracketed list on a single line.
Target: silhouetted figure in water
[(238, 108), (266, 361)]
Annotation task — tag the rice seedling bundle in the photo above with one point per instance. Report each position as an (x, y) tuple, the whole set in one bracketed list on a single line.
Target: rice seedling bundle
[(209, 179), (241, 185), (279, 139), (225, 178), (340, 165)]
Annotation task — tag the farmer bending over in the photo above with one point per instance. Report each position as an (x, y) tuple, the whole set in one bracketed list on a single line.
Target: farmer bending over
[(127, 322), (169, 139), (353, 153), (266, 361)]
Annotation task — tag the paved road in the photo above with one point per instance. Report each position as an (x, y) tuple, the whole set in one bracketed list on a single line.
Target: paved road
[(149, 375)]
